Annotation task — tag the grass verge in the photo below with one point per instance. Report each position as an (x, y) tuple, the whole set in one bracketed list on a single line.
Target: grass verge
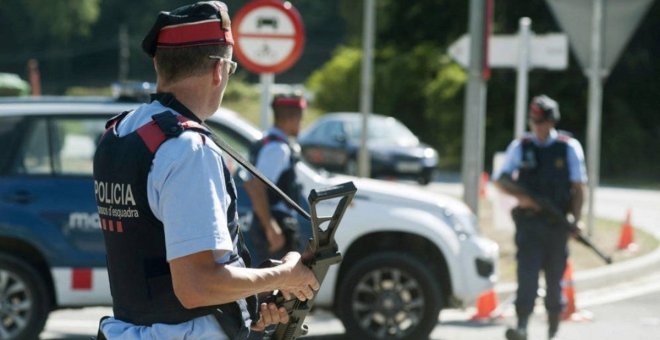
[(605, 236)]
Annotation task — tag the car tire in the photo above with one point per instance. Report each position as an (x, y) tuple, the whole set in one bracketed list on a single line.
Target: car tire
[(389, 296), (23, 299), (425, 177)]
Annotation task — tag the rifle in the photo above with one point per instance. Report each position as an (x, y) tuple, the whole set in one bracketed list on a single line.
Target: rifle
[(554, 214), (320, 254)]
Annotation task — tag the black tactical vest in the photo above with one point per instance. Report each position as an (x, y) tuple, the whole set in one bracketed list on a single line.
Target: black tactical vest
[(544, 171), (140, 278), (287, 181)]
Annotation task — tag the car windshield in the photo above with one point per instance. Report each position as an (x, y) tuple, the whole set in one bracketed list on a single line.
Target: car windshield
[(383, 131)]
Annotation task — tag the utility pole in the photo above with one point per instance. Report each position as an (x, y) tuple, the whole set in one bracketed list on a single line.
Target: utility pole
[(366, 84), (475, 102), (124, 52)]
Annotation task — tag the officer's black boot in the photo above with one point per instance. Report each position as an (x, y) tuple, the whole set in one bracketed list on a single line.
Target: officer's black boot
[(520, 332), (553, 324)]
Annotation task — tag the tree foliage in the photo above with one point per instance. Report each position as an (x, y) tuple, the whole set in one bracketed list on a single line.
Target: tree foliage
[(415, 81)]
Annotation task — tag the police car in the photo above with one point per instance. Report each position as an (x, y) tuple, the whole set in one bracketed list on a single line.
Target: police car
[(407, 253)]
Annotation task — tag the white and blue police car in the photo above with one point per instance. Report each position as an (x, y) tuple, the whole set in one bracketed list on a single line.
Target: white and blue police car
[(407, 253)]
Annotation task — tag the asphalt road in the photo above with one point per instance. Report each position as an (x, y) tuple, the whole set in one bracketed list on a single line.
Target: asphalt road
[(626, 311), (630, 310)]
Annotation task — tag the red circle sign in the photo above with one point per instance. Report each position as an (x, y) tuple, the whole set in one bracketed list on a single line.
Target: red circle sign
[(268, 36)]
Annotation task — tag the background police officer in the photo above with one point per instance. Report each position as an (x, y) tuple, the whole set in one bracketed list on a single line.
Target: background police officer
[(550, 165), (274, 230), (179, 268)]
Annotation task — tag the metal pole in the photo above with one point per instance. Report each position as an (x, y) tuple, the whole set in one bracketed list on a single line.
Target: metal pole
[(267, 80), (524, 30), (366, 84), (474, 122), (595, 107), (124, 52)]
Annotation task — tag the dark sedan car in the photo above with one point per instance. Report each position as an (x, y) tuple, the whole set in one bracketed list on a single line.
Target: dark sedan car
[(333, 141)]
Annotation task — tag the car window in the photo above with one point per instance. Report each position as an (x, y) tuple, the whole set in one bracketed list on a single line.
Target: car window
[(34, 157), (74, 143), (236, 141), (61, 146), (328, 130), (11, 131), (386, 131)]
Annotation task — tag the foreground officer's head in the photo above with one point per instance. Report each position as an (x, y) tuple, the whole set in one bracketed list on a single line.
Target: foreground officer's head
[(191, 41)]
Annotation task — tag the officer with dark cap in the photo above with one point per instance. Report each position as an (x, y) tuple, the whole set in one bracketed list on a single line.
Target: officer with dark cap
[(274, 229), (177, 264), (549, 164)]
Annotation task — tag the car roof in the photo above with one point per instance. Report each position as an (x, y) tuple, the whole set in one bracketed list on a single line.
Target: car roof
[(345, 115), (71, 105)]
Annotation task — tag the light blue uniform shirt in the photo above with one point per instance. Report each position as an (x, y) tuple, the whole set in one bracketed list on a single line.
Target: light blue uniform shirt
[(273, 159), (575, 157), (186, 191)]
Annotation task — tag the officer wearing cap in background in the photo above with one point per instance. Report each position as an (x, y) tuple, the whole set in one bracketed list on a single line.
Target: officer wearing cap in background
[(549, 164), (274, 230), (177, 264)]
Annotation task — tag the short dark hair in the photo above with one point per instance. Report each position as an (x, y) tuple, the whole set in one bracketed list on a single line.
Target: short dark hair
[(175, 64)]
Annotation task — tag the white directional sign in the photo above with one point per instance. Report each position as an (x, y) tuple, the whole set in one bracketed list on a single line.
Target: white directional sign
[(549, 51), (269, 36)]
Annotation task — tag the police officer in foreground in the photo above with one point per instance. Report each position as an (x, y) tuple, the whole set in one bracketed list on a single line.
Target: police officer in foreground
[(177, 264), (274, 230), (549, 164)]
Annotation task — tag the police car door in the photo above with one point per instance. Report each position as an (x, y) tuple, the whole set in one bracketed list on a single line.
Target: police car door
[(47, 187)]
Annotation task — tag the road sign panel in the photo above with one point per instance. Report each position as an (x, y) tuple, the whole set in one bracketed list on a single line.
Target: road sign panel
[(620, 19), (269, 36), (549, 51)]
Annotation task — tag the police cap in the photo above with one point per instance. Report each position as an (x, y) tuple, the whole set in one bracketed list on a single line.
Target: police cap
[(543, 108), (201, 23)]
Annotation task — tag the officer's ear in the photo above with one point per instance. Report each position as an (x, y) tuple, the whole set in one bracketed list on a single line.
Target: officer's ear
[(217, 73)]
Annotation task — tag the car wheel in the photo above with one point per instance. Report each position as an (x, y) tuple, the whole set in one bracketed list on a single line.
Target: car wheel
[(389, 296), (425, 177), (23, 300)]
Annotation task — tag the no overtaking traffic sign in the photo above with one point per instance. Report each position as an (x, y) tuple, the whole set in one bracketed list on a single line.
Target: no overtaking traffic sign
[(269, 36)]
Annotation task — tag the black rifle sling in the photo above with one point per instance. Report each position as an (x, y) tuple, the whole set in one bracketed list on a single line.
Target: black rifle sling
[(256, 173)]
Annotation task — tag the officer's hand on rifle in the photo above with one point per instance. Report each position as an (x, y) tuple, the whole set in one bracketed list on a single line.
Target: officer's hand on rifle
[(270, 314), (300, 281), (526, 202)]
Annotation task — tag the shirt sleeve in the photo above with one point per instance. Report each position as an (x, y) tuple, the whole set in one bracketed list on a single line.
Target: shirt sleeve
[(186, 189), (273, 159), (512, 160), (575, 158)]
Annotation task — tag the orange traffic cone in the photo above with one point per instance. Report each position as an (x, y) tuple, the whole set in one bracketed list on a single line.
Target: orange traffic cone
[(626, 238), (570, 311), (569, 292), (486, 304)]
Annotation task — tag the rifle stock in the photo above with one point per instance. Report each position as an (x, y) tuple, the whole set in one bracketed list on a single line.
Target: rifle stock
[(554, 214), (320, 254)]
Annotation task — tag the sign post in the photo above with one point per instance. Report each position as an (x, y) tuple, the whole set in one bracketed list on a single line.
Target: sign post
[(269, 37), (616, 20)]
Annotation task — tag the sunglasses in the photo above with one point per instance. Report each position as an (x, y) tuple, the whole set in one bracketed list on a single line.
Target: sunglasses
[(232, 64)]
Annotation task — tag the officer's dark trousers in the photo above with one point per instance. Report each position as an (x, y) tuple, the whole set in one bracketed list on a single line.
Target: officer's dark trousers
[(291, 230), (541, 246)]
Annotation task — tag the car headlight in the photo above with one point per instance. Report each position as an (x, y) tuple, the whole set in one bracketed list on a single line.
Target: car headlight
[(464, 225)]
